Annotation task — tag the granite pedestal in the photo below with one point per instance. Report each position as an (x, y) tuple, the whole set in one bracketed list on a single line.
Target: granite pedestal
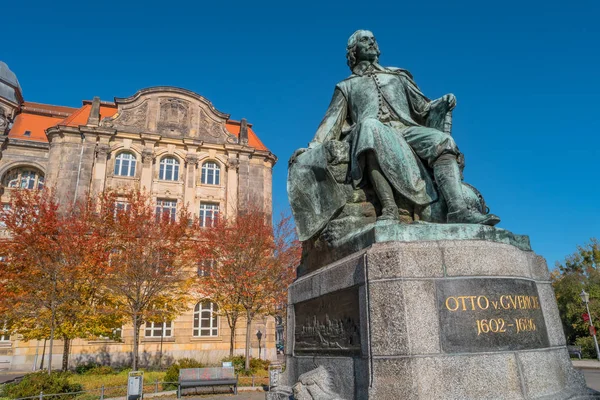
[(470, 318)]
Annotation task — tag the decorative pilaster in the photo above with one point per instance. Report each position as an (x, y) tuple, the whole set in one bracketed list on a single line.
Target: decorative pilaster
[(189, 189), (99, 174), (146, 178), (233, 165)]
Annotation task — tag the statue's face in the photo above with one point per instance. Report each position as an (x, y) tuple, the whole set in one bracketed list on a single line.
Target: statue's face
[(366, 49)]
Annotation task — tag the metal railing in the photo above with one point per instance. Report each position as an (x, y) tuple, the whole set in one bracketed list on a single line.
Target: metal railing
[(107, 392)]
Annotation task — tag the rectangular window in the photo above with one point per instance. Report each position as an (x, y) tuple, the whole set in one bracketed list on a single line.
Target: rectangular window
[(4, 334), (205, 267), (208, 214), (117, 334), (5, 208), (166, 209), (158, 329), (121, 206)]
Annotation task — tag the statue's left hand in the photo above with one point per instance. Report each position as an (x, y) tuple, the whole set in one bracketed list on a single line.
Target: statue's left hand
[(445, 103), (450, 100)]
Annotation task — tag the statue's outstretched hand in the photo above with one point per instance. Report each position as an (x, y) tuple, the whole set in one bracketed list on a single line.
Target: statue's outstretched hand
[(445, 103), (296, 154)]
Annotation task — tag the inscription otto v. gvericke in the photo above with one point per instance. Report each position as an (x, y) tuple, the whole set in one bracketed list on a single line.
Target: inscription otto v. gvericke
[(490, 314), (504, 302)]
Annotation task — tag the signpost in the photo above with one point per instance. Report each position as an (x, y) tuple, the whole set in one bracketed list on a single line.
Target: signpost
[(135, 385), (275, 371)]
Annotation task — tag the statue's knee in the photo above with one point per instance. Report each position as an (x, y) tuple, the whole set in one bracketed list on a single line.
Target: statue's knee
[(370, 123)]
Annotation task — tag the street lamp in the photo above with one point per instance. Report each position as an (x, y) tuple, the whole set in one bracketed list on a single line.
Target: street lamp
[(585, 297), (259, 336)]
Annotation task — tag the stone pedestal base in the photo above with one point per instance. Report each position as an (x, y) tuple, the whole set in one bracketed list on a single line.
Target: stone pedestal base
[(441, 319)]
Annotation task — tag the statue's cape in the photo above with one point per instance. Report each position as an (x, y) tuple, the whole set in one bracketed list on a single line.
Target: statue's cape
[(314, 194)]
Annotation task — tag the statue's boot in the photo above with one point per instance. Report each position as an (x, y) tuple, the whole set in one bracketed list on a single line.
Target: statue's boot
[(447, 176), (389, 209)]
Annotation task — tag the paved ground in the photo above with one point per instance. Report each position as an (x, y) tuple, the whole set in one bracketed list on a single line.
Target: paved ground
[(240, 396)]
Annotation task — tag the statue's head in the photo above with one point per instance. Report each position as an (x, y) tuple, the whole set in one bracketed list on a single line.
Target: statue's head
[(362, 46)]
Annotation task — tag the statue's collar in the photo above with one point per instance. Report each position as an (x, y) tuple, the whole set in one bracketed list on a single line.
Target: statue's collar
[(364, 67)]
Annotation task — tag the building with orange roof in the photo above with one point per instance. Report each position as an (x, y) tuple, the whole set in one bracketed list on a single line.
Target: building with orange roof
[(168, 141)]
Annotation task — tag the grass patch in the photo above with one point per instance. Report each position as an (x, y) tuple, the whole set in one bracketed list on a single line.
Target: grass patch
[(91, 382)]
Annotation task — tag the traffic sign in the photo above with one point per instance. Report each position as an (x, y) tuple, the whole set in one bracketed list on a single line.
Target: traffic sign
[(586, 317)]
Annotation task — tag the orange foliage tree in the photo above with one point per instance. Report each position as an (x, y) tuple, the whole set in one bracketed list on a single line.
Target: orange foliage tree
[(148, 270), (254, 262), (52, 270)]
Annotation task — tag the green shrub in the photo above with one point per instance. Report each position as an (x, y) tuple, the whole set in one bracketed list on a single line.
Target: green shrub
[(85, 367), (172, 374), (100, 370), (33, 384), (239, 364), (588, 349)]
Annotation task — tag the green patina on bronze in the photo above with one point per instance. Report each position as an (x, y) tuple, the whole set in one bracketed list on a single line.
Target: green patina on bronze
[(382, 152)]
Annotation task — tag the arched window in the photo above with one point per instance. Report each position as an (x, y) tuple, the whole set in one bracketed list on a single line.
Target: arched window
[(24, 178), (125, 164), (169, 169), (206, 320), (211, 173)]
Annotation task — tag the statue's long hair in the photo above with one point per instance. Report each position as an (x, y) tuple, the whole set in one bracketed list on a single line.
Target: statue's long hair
[(351, 49)]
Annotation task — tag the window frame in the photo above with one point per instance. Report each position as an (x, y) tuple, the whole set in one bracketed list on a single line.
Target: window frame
[(4, 333), (24, 177), (205, 211), (205, 267), (162, 169), (131, 168), (154, 327), (160, 209), (214, 170), (213, 319)]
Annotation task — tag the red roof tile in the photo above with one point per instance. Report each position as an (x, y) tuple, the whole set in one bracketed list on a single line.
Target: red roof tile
[(35, 124), (253, 140), (47, 108), (80, 117)]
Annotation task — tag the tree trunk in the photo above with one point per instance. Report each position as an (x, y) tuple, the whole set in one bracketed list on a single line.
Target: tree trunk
[(65, 360), (52, 323), (43, 355), (248, 333), (232, 338), (136, 335)]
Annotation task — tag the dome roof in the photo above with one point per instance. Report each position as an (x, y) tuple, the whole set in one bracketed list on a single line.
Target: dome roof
[(8, 76), (9, 84)]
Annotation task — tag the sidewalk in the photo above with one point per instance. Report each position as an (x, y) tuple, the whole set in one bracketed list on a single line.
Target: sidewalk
[(587, 364)]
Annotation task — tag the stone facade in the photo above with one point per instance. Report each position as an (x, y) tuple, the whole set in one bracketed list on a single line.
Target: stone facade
[(127, 143)]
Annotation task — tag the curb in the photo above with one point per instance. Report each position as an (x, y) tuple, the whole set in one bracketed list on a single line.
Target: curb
[(586, 364)]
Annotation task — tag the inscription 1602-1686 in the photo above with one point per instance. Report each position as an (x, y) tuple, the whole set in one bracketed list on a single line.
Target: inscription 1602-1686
[(490, 314)]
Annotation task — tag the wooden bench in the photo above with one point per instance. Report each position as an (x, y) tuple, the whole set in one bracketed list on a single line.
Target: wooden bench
[(575, 351), (194, 377)]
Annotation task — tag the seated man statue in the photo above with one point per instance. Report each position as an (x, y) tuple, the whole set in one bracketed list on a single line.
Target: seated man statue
[(396, 143)]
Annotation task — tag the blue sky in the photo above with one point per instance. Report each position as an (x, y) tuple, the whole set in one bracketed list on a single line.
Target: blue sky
[(525, 75)]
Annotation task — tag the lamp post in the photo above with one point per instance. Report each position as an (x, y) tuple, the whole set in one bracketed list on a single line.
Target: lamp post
[(585, 297), (259, 336)]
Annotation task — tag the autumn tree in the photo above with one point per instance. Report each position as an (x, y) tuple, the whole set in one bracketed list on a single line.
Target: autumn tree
[(580, 270), (148, 272), (52, 260), (254, 262)]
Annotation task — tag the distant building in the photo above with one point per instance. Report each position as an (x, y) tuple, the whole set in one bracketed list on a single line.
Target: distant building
[(169, 141)]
